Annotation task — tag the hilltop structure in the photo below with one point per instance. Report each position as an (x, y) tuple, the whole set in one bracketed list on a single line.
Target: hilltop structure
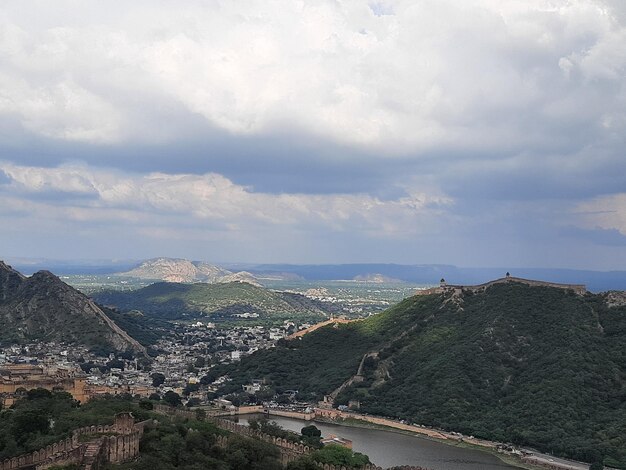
[(579, 289)]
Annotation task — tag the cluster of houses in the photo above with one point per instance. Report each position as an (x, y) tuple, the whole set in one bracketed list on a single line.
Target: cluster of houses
[(181, 360)]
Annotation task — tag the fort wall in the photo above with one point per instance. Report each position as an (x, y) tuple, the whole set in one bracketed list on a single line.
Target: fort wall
[(579, 289), (289, 414), (289, 451), (115, 443), (331, 321)]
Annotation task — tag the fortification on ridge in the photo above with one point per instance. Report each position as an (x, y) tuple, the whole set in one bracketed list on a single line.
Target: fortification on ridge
[(579, 289)]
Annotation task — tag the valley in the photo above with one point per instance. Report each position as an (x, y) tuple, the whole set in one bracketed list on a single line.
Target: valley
[(511, 361)]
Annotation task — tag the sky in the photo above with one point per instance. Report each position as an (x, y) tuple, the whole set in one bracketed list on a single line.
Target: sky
[(466, 132)]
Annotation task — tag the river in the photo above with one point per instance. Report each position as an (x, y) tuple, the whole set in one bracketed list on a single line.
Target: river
[(388, 448)]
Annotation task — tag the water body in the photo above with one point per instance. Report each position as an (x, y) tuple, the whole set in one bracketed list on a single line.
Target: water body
[(388, 449)]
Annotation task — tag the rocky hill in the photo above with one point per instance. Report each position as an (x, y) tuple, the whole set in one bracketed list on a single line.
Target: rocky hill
[(182, 270), (536, 366), (223, 301), (44, 308)]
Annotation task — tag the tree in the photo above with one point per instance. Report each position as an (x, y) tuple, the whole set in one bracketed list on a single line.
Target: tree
[(172, 398), (597, 466), (200, 414), (334, 454), (234, 399), (200, 362), (192, 402), (311, 431), (283, 400), (266, 393), (116, 364), (157, 379), (128, 355), (38, 393), (146, 404), (29, 422), (155, 397), (190, 388)]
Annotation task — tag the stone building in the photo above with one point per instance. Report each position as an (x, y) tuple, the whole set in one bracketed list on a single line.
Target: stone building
[(15, 379)]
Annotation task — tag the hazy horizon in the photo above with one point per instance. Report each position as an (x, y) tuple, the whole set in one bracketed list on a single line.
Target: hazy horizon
[(23, 261)]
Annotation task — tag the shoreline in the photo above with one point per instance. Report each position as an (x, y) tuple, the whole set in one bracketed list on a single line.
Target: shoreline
[(357, 423)]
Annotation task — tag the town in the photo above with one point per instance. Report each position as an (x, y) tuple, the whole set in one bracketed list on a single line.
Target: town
[(178, 365)]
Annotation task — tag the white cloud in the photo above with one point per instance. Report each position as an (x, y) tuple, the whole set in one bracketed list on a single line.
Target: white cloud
[(89, 194), (606, 212), (473, 74)]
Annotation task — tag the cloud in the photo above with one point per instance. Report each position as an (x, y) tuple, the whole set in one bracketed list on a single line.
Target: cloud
[(210, 198), (605, 212), (438, 130), (398, 77), (609, 237)]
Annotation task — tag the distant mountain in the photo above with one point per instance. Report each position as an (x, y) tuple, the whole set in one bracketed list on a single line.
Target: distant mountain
[(535, 366), (231, 300), (241, 276), (44, 308), (182, 270), (211, 273), (596, 281), (375, 278)]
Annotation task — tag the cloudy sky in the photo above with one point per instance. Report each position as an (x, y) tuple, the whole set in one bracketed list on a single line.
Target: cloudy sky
[(469, 132)]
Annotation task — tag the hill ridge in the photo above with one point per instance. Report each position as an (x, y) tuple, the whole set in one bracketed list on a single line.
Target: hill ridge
[(537, 366), (223, 300), (43, 307), (579, 289), (180, 270)]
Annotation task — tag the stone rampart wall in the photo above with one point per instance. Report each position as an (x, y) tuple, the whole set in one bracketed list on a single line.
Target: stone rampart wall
[(578, 288), (289, 451), (247, 431), (61, 448), (429, 291), (246, 410), (122, 445), (73, 456), (191, 414), (332, 321), (289, 414)]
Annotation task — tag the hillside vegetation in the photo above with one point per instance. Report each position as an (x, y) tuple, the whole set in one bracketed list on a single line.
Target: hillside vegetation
[(535, 366), (43, 417), (221, 301), (44, 308)]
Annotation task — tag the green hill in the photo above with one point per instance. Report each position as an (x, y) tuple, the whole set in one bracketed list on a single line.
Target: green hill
[(536, 366), (221, 301), (44, 308)]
